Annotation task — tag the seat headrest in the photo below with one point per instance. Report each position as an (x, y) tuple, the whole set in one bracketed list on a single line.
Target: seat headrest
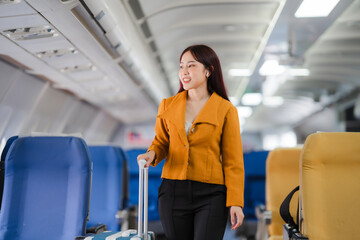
[(284, 157)]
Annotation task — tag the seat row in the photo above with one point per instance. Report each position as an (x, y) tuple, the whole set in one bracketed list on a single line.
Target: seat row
[(327, 172), (58, 187)]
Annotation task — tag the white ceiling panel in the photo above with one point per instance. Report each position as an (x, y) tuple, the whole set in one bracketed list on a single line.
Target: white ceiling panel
[(126, 60), (45, 44), (33, 20), (21, 8)]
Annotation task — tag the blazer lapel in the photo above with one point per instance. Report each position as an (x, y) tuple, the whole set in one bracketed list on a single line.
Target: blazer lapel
[(175, 113), (208, 113)]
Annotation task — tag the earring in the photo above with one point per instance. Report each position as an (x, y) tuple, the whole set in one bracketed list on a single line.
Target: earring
[(207, 74)]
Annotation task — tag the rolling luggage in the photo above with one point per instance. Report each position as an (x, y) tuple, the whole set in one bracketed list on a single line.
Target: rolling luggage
[(142, 233)]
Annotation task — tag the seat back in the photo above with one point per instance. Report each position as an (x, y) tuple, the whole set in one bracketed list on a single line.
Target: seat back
[(46, 189), (154, 183), (329, 186), (282, 176), (254, 191), (2, 164), (108, 189)]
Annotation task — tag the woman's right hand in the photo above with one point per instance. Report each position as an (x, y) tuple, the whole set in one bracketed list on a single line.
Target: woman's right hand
[(149, 157)]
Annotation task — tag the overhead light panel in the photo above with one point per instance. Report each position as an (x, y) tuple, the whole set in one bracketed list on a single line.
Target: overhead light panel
[(288, 139), (273, 101), (315, 8), (236, 72), (271, 67), (297, 72), (244, 112), (251, 99)]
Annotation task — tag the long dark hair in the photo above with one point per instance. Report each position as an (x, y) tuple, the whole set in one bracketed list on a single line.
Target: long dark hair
[(210, 60)]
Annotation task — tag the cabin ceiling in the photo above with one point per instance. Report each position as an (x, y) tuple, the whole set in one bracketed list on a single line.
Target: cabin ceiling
[(237, 30), (123, 55)]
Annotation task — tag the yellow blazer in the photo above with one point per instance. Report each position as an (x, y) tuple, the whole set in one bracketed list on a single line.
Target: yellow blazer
[(211, 153)]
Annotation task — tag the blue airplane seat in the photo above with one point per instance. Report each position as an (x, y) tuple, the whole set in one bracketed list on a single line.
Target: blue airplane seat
[(154, 182), (254, 192), (109, 185), (46, 189), (2, 164)]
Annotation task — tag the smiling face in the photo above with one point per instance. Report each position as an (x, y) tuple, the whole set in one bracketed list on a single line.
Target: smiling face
[(192, 73)]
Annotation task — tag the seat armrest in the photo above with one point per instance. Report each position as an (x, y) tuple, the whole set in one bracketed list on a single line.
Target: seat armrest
[(92, 231), (264, 219), (80, 238), (263, 214), (127, 217), (96, 229), (291, 233)]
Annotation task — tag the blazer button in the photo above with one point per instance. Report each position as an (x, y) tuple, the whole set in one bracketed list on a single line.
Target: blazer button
[(185, 146), (193, 130)]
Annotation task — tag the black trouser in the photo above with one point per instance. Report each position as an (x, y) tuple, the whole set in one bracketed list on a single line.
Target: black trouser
[(192, 210)]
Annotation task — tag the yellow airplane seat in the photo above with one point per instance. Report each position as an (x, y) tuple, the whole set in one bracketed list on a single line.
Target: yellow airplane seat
[(282, 175), (330, 187)]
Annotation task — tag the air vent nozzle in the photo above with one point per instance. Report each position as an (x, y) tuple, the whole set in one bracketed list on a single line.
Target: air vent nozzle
[(30, 33), (67, 1), (3, 2), (56, 53), (78, 68)]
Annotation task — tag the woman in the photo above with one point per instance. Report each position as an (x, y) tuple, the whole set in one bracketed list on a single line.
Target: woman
[(198, 133)]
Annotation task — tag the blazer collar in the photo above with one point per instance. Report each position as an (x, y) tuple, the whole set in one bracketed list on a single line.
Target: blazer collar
[(175, 112)]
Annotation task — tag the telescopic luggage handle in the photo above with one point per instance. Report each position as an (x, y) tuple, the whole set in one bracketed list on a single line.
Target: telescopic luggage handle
[(143, 200)]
